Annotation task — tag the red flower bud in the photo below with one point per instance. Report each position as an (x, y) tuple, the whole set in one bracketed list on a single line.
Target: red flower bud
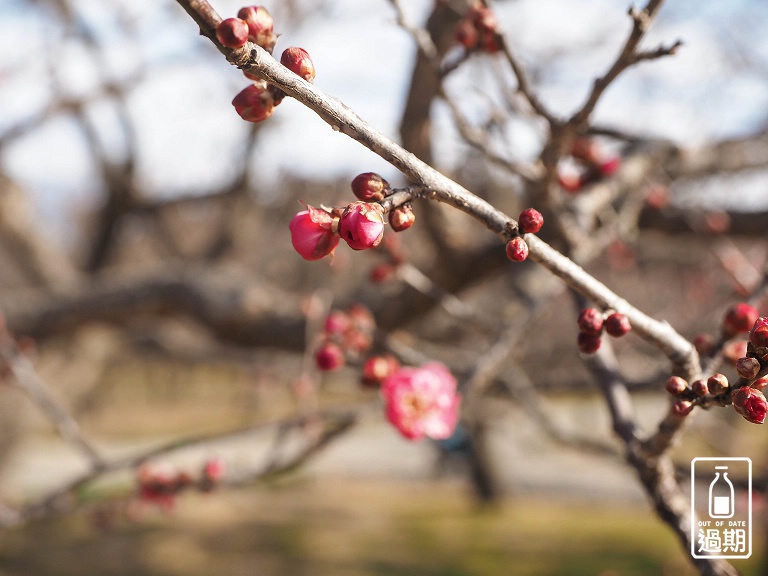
[(329, 357), (699, 387), (657, 197), (586, 150), (530, 221), (214, 470), (590, 321), (381, 273), (676, 385), (734, 350), (297, 60), (369, 187), (336, 323), (254, 103), (751, 404), (758, 336), (260, 26), (517, 249), (466, 34), (376, 369), (362, 225), (747, 367), (682, 408), (232, 33), (717, 384), (610, 167), (312, 234), (401, 218), (588, 343), (739, 318), (362, 318), (569, 182), (617, 325)]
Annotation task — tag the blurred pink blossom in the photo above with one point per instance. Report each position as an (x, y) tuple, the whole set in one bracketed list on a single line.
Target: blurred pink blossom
[(422, 401)]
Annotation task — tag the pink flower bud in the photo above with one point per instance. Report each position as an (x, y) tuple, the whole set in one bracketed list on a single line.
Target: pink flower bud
[(336, 323), (254, 103), (381, 273), (362, 318), (329, 357), (610, 167), (586, 150), (739, 318), (466, 34), (517, 249), (676, 385), (682, 408), (312, 234), (751, 404), (362, 225), (590, 321), (260, 26), (401, 218), (747, 367), (617, 325), (699, 387), (717, 384), (734, 350), (214, 469), (376, 369), (571, 183), (232, 33), (588, 343), (422, 401), (530, 221), (369, 187), (297, 60)]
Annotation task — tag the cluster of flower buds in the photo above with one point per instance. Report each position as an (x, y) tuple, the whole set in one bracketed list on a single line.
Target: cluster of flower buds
[(258, 101), (748, 401), (371, 187), (478, 30), (592, 323), (159, 483), (530, 221), (315, 232), (594, 164), (346, 334), (738, 320), (422, 401)]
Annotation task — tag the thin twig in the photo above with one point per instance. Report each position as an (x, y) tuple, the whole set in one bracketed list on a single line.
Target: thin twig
[(27, 380)]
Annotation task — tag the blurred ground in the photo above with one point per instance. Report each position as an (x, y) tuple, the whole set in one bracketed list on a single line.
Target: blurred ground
[(371, 504), (324, 527)]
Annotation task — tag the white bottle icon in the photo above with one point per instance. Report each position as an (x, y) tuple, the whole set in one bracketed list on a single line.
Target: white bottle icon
[(721, 495)]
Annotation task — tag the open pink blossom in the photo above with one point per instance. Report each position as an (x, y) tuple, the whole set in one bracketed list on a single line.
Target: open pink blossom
[(312, 234), (422, 401), (362, 225)]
